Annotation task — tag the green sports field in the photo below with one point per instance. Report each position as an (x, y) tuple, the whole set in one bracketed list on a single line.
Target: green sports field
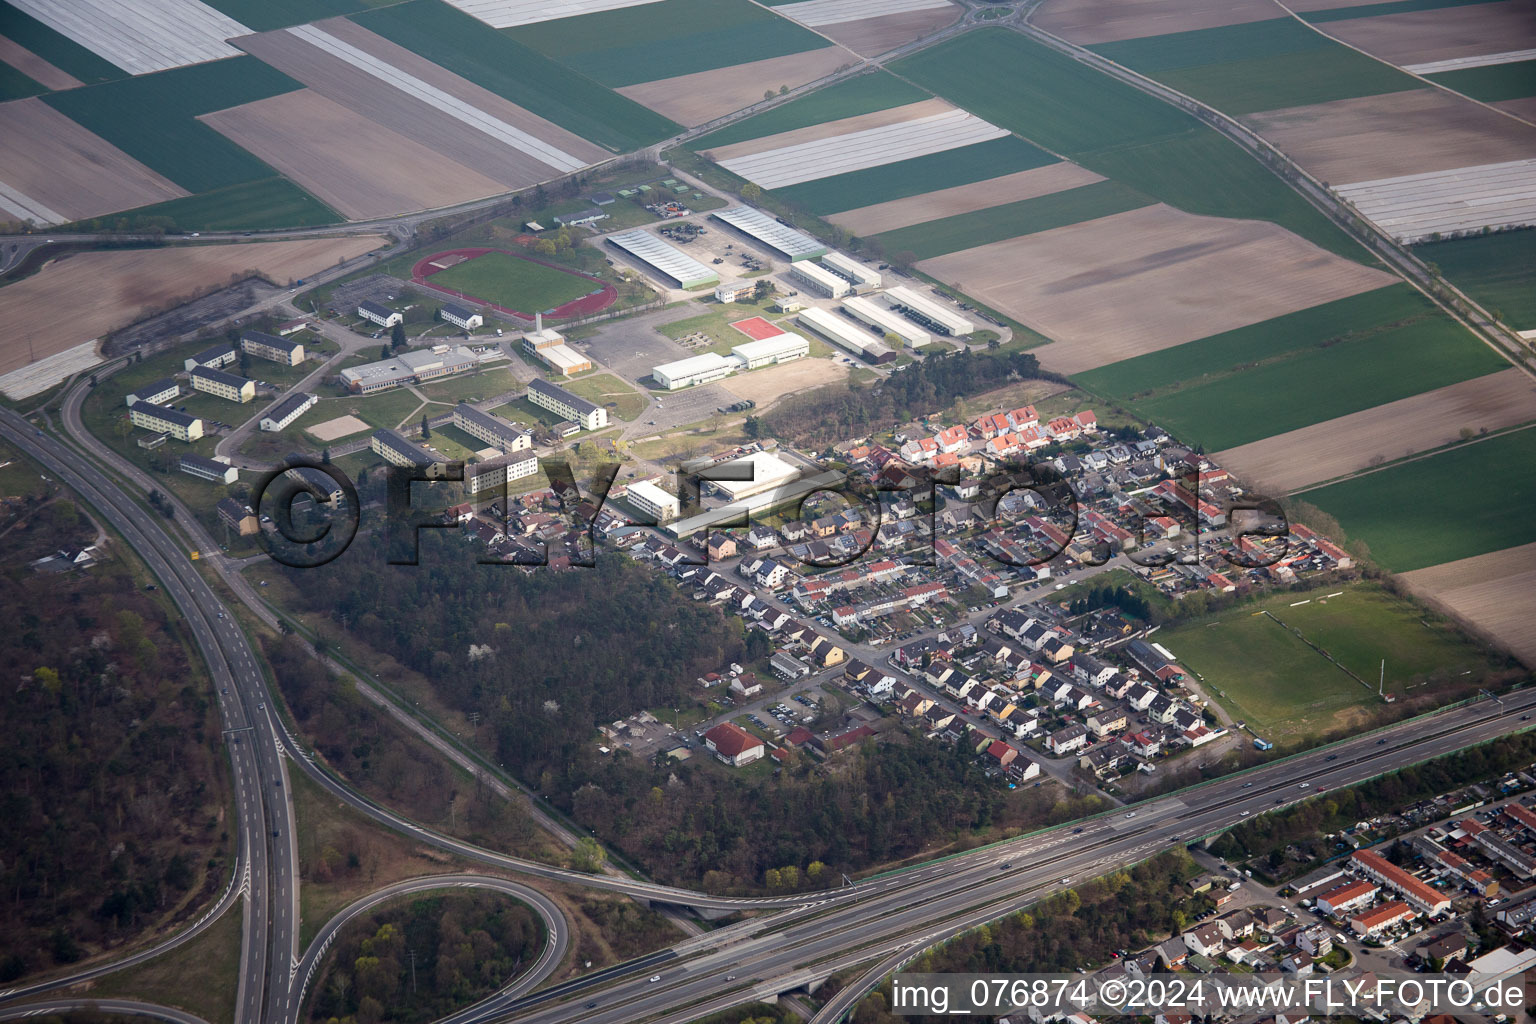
[(1494, 83), (1341, 319), (663, 40), (1113, 129), (519, 73), (913, 177), (1025, 217), (863, 95), (1458, 503), (520, 285), (1267, 676), (1320, 383), (1499, 271)]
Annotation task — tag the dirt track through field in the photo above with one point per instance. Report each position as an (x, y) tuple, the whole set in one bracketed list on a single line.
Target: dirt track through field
[(1495, 592), (980, 195), (126, 286), (1120, 286), (34, 67), (74, 172), (693, 99), (1394, 134), (832, 129), (1103, 21), (376, 173), (1282, 463), (871, 36), (1418, 37)]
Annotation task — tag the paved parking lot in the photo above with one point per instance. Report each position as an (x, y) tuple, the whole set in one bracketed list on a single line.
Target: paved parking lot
[(632, 346)]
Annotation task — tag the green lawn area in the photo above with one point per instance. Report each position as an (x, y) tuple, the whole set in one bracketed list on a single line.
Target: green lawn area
[(473, 387), (849, 98), (1498, 271), (1261, 65), (453, 443), (715, 319), (1025, 217), (1113, 129), (19, 478), (1341, 319), (663, 40), (607, 390), (1493, 83), (1265, 675), (904, 178), (200, 977), (518, 72), (518, 284), (1464, 501), (385, 409), (521, 410), (1321, 383), (153, 118), (245, 206)]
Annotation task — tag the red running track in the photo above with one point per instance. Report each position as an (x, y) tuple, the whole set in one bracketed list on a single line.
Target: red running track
[(595, 302)]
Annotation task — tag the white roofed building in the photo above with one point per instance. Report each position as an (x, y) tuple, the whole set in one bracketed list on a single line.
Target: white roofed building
[(819, 279), (666, 260), (856, 273), (781, 238), (769, 351), (845, 334), (699, 369), (887, 321), (651, 499), (929, 312)]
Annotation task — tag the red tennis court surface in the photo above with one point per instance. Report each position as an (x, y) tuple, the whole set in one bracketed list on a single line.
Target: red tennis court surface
[(757, 328)]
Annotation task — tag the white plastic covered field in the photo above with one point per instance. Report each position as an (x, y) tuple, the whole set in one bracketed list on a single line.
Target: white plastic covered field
[(835, 12), (510, 13), (141, 36), (1414, 206)]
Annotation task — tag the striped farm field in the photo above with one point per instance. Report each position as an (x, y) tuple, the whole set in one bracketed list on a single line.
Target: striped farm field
[(958, 200), (869, 27), (15, 86), (980, 227), (141, 37), (54, 47), (1456, 504), (518, 73), (266, 15), (511, 13), (914, 177), (668, 39), (1492, 83), (865, 94), (153, 118), (1498, 271), (1314, 384)]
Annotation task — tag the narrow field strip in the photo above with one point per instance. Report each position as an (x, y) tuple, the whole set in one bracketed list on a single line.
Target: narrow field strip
[(23, 207), (1462, 63), (511, 13), (437, 98), (141, 36), (835, 12), (873, 147), (960, 199)]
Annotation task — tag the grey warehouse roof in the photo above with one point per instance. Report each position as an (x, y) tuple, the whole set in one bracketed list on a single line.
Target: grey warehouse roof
[(793, 244), (668, 259)]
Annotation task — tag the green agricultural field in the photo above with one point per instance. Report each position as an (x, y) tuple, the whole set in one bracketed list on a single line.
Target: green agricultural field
[(1113, 129), (57, 49), (268, 15), (521, 285), (1461, 502), (1285, 690), (152, 118), (1320, 383), (1262, 65), (667, 39), (247, 206), (863, 95), (979, 227), (913, 177), (1494, 83), (607, 390), (1341, 319), (1378, 9), (16, 86), (519, 73), (1499, 271)]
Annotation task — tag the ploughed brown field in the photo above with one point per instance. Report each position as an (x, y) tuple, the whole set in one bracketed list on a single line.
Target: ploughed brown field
[(870, 36), (1495, 592), (980, 195), (1418, 37), (1310, 455), (705, 95), (1524, 108), (377, 173), (833, 129), (34, 67), (72, 171), (1105, 21), (1399, 133), (1116, 287), (106, 290)]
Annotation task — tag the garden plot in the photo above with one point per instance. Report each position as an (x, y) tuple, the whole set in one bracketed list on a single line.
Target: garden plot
[(1102, 21), (873, 147), (1334, 448), (378, 173), (1137, 282), (1495, 593), (1439, 34), (61, 172), (960, 199), (1414, 207), (141, 36), (412, 97), (1463, 63), (702, 96), (511, 13), (1395, 134)]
